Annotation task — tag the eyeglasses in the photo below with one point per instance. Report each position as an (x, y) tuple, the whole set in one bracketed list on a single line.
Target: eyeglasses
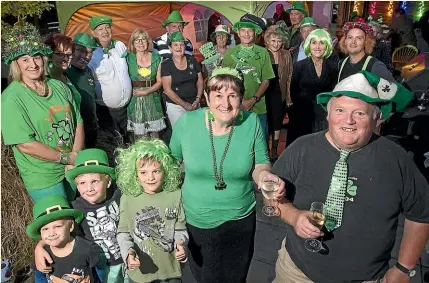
[(64, 55), (140, 40)]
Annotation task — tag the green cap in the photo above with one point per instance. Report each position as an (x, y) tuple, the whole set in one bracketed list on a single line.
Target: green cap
[(90, 161), (49, 209), (174, 17), (299, 6), (308, 21), (99, 20), (389, 96), (176, 37), (239, 25), (22, 40), (85, 40)]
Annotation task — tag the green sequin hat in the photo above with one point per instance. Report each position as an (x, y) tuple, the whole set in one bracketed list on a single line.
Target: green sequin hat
[(299, 6), (22, 40), (85, 40), (209, 52), (388, 96)]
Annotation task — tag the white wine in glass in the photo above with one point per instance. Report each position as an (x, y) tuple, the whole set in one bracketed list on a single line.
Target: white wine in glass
[(317, 218), (269, 190)]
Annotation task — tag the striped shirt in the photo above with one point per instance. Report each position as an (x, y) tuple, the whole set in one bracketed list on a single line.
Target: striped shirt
[(160, 45)]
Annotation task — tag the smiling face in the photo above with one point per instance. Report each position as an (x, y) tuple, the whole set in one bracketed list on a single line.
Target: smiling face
[(31, 67), (81, 56), (351, 122), (141, 44), (62, 57), (93, 187), (224, 104), (173, 27), (317, 48), (246, 35), (57, 233), (177, 48), (274, 43), (221, 39), (355, 41), (150, 175), (103, 33)]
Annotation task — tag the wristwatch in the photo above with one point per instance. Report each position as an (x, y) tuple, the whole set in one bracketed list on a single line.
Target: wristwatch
[(256, 98), (410, 272)]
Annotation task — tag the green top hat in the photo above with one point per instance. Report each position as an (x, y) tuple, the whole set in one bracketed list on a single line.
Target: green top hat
[(85, 40), (49, 209), (176, 36), (210, 53), (90, 161), (22, 40), (308, 21), (174, 17), (299, 6), (99, 20), (389, 96)]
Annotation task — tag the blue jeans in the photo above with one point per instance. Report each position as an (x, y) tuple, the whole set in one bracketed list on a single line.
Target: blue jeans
[(40, 277)]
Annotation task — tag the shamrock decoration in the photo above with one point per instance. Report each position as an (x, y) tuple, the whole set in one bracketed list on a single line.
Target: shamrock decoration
[(144, 72), (386, 88), (50, 136), (63, 130), (351, 189)]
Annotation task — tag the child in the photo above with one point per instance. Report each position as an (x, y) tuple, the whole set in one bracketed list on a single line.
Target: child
[(151, 214), (73, 258), (99, 201)]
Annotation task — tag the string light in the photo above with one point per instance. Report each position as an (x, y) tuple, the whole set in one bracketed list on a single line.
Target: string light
[(390, 9), (373, 8), (356, 6), (404, 5), (421, 9)]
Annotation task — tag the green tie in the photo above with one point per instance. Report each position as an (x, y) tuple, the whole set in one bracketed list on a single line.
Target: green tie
[(336, 194)]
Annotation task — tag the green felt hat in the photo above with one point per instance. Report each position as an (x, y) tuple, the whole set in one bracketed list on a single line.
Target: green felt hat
[(22, 40), (308, 21), (85, 40), (176, 36), (49, 209), (239, 25), (299, 6), (90, 161), (389, 96), (209, 52), (174, 17), (99, 20)]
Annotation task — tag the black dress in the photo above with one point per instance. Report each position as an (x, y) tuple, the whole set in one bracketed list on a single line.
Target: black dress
[(276, 108), (306, 116)]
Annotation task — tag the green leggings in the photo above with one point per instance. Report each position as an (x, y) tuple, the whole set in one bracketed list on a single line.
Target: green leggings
[(63, 188)]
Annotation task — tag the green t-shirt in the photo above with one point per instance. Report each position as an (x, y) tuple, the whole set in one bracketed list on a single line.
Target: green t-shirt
[(27, 117), (204, 206), (259, 69), (152, 220), (84, 83)]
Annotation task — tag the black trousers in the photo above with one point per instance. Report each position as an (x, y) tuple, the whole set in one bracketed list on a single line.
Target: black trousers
[(222, 254), (113, 120)]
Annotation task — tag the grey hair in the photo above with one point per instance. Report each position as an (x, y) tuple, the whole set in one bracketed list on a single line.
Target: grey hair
[(376, 112)]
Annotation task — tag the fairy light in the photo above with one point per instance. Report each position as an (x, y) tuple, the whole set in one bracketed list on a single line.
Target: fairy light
[(356, 6), (404, 5), (421, 9), (373, 8), (390, 9)]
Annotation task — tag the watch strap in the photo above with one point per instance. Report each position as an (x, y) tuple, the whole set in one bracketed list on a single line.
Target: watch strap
[(409, 272)]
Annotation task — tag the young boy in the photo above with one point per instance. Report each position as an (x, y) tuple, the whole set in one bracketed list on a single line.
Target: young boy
[(73, 258), (99, 201)]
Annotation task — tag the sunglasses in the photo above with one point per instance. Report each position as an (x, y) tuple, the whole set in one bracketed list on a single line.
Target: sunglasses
[(64, 55)]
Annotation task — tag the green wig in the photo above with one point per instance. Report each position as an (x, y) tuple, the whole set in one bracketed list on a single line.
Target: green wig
[(326, 39), (151, 150)]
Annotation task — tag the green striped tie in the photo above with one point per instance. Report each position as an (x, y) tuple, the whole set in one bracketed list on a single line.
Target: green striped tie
[(336, 194)]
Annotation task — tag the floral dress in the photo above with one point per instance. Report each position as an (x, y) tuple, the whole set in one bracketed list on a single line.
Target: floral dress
[(145, 113)]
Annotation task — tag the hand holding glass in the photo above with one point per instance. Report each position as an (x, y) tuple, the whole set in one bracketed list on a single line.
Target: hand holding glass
[(317, 218), (269, 190)]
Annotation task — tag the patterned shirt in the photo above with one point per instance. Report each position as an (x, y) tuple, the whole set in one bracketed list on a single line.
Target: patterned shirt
[(382, 52), (161, 47)]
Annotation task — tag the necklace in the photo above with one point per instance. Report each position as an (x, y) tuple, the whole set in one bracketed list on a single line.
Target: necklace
[(220, 183), (43, 93)]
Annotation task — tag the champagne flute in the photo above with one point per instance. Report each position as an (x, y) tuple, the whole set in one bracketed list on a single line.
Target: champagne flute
[(269, 190), (317, 218)]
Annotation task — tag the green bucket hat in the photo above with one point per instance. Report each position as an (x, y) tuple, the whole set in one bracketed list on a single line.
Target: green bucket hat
[(299, 6), (176, 36), (99, 20), (209, 52), (90, 161), (49, 209), (239, 25), (308, 21), (174, 17), (389, 96), (85, 40), (22, 40)]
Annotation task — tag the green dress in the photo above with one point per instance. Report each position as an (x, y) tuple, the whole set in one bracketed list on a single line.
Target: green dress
[(145, 113)]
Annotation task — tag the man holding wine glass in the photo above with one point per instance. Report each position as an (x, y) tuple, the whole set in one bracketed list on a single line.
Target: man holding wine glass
[(357, 183)]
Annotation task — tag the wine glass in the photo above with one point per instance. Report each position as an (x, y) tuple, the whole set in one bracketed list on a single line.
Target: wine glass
[(269, 190), (317, 218)]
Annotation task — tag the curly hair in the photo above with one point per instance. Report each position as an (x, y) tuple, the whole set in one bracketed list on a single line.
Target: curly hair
[(146, 150), (368, 45), (325, 38)]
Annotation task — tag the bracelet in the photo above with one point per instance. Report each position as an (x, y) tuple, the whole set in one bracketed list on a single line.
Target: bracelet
[(64, 158)]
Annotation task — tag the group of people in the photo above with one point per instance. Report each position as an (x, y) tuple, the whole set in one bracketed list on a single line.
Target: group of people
[(138, 220)]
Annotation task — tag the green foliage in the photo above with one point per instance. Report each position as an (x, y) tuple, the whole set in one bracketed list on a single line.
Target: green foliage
[(22, 10)]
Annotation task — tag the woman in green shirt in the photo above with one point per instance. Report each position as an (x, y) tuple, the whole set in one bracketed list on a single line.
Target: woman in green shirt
[(40, 119), (223, 156)]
